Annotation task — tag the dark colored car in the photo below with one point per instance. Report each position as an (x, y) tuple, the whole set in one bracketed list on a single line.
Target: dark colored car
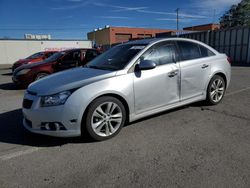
[(37, 57), (60, 61)]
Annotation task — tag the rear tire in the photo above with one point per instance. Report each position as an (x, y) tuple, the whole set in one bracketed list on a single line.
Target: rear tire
[(216, 90), (105, 118)]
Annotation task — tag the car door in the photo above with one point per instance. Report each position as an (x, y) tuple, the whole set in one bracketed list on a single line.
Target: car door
[(70, 60), (157, 87), (195, 69)]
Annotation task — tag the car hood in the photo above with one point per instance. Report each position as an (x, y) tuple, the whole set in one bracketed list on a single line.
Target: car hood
[(36, 64), (68, 80), (20, 61), (29, 66)]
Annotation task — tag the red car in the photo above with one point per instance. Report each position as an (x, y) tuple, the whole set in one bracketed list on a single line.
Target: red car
[(39, 56), (63, 60)]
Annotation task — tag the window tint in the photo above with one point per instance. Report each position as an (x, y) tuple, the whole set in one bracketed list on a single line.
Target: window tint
[(75, 55), (205, 52), (161, 54), (49, 54), (90, 54), (189, 50), (36, 55)]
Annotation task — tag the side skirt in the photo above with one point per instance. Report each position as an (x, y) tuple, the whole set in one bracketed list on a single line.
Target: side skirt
[(134, 117)]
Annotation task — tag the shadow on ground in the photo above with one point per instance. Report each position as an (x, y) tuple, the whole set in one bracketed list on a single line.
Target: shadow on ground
[(7, 74), (10, 86), (12, 132)]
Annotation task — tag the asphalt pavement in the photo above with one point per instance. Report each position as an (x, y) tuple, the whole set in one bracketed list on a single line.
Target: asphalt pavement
[(192, 146)]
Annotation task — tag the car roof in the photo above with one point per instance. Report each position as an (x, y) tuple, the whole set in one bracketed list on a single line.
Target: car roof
[(74, 49), (154, 40), (50, 51)]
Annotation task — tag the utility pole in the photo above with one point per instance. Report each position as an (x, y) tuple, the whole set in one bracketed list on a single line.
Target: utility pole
[(177, 18), (214, 16)]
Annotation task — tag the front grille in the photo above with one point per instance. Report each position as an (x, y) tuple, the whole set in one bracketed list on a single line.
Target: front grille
[(27, 103), (28, 123)]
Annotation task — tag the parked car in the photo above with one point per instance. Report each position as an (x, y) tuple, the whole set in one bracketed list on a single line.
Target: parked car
[(39, 56), (126, 83), (63, 60)]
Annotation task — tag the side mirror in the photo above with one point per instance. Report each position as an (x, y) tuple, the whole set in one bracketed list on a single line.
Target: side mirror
[(146, 65)]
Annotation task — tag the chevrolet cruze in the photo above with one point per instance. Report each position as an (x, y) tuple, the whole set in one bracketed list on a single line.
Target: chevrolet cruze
[(126, 83)]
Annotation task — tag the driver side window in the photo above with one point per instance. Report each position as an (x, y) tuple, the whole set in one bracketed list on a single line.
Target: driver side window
[(72, 56), (161, 54)]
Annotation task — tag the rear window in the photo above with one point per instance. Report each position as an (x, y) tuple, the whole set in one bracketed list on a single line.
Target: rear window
[(205, 52)]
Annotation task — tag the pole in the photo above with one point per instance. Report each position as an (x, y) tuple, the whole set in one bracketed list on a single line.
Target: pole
[(177, 18), (214, 16)]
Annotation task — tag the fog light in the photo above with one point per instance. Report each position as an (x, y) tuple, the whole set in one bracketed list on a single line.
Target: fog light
[(57, 126), (52, 126), (47, 126)]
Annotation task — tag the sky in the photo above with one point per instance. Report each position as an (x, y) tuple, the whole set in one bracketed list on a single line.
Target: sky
[(72, 19)]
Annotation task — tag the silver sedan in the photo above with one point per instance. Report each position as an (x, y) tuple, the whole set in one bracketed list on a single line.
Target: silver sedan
[(126, 83)]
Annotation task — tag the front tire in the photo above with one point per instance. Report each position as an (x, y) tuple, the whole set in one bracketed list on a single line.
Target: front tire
[(41, 75), (216, 90), (105, 118)]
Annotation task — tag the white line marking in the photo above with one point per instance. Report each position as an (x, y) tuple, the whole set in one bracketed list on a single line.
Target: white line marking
[(239, 91), (18, 153)]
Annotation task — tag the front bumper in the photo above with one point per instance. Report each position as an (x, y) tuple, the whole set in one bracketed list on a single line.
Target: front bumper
[(35, 116), (67, 133), (15, 66), (21, 80)]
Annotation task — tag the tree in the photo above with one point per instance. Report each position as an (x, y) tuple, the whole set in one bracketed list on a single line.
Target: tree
[(237, 15)]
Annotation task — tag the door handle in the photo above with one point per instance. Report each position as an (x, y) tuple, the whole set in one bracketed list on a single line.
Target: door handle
[(173, 74), (204, 66)]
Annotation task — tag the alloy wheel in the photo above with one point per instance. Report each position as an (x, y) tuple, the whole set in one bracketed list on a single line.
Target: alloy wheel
[(217, 90), (106, 119)]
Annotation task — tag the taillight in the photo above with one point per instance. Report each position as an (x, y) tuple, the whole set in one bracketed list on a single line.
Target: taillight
[(229, 60)]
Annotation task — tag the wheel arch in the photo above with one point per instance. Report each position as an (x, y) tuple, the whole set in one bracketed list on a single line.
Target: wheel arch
[(39, 72), (117, 96), (223, 76)]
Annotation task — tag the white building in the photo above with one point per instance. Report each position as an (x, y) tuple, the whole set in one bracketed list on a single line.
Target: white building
[(12, 50)]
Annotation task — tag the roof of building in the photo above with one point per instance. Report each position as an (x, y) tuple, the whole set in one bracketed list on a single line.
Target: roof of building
[(203, 25)]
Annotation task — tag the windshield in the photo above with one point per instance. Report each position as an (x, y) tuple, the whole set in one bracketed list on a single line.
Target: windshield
[(36, 55), (116, 58), (55, 57)]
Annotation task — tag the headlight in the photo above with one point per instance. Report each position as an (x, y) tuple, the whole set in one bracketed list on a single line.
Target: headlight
[(24, 71), (54, 100)]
